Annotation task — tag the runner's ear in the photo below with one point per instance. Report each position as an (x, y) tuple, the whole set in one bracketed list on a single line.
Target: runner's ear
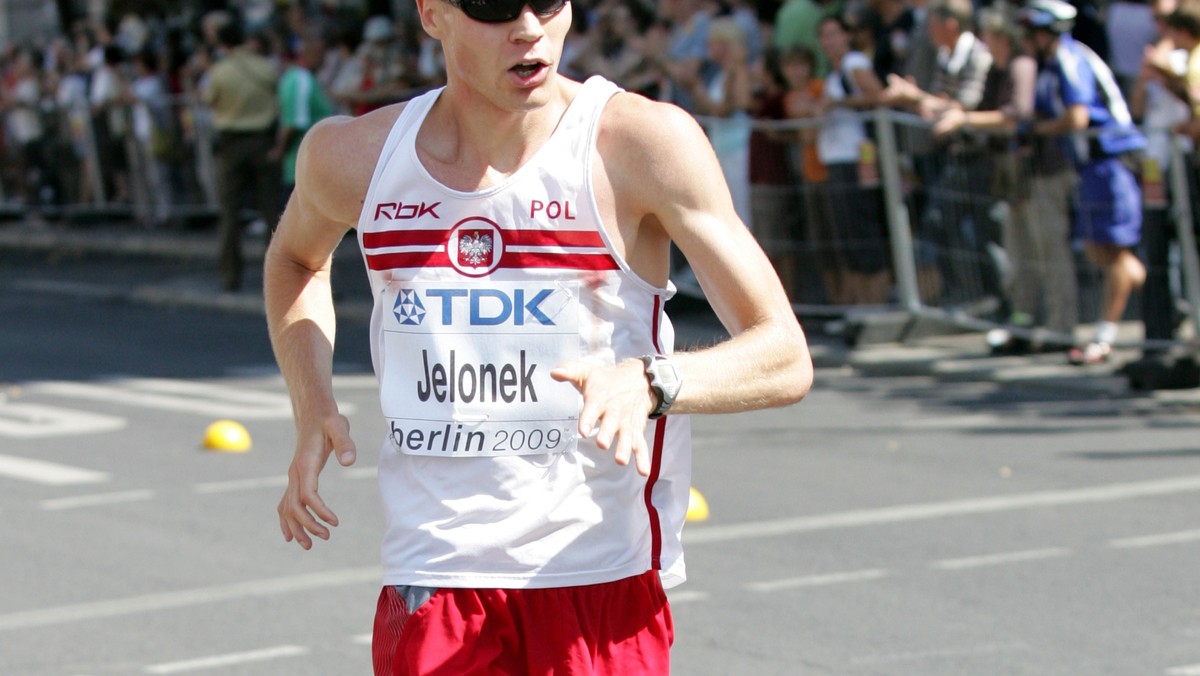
[(432, 13)]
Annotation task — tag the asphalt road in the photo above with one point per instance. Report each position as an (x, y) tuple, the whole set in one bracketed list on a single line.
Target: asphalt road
[(886, 525)]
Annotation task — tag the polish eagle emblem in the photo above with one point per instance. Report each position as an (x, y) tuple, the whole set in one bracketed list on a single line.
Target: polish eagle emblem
[(475, 248)]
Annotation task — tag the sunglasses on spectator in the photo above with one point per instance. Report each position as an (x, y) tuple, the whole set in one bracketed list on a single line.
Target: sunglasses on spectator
[(503, 11)]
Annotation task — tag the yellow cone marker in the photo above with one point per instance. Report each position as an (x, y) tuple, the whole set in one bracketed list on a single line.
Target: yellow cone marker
[(697, 506), (227, 436)]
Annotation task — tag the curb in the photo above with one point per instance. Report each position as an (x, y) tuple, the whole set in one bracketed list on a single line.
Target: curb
[(954, 358), (130, 241)]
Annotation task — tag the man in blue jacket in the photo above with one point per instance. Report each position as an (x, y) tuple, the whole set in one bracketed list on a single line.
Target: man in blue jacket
[(1077, 102)]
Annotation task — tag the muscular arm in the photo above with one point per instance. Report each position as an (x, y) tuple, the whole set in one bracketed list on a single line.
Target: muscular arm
[(660, 178), (668, 174), (299, 303), (330, 179)]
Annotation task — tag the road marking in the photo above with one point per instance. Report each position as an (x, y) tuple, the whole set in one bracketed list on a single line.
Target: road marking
[(35, 421), (1156, 540), (1001, 558), (995, 421), (352, 473), (227, 660), (77, 501), (364, 472), (676, 598), (48, 473), (184, 396), (940, 510), (818, 580), (133, 605), (362, 639), (956, 422), (241, 485), (1186, 670), (360, 382), (923, 655)]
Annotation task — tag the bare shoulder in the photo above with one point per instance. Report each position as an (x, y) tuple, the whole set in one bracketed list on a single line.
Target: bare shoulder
[(637, 130), (337, 160), (657, 157)]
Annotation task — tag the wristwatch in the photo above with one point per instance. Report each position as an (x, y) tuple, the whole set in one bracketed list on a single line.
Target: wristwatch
[(664, 380)]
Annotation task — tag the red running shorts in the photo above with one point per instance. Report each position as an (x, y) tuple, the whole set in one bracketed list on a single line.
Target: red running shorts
[(615, 628)]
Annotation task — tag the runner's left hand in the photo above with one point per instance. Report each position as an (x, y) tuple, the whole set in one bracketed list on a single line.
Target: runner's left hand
[(616, 403)]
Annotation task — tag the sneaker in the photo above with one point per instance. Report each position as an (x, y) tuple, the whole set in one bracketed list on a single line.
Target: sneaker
[(1092, 353)]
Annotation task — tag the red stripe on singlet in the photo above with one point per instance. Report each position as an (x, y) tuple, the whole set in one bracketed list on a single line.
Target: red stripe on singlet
[(560, 249), (559, 238), (383, 238), (510, 259), (563, 238), (414, 259), (570, 261), (660, 433)]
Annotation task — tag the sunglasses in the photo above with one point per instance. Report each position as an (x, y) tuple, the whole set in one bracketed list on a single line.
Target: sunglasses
[(503, 11)]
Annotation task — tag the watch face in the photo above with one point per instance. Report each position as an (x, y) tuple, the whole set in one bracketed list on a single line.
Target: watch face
[(667, 377), (664, 380), (666, 374)]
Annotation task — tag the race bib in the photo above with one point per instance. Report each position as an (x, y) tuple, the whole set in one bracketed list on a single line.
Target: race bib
[(466, 367)]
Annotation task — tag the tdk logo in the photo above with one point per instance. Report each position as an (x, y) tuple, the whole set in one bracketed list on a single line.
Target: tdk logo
[(409, 309), (479, 307)]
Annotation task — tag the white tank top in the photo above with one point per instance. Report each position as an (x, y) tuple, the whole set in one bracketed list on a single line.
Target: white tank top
[(478, 296)]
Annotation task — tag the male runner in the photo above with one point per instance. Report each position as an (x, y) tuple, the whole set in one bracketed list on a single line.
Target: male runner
[(516, 227)]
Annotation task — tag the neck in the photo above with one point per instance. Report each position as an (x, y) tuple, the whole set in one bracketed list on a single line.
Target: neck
[(470, 143)]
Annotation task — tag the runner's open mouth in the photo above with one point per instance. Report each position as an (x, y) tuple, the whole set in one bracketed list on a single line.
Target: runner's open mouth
[(526, 69)]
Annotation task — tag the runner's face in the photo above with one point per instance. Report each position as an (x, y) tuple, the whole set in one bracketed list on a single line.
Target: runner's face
[(511, 63), (503, 11)]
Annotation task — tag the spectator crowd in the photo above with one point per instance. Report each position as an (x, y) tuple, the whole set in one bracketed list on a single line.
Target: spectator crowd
[(1007, 159)]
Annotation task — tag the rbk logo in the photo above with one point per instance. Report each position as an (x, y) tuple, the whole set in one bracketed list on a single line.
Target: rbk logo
[(399, 211)]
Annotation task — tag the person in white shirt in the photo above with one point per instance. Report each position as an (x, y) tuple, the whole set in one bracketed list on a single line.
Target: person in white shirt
[(851, 212)]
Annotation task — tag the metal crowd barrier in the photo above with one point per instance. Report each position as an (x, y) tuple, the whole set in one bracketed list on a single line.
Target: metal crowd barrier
[(943, 210), (914, 225), (150, 162)]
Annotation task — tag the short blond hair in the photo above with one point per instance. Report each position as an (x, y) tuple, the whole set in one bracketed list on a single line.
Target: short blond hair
[(726, 29)]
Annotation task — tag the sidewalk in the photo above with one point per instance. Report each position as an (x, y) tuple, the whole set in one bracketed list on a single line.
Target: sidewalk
[(196, 283), (959, 357)]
